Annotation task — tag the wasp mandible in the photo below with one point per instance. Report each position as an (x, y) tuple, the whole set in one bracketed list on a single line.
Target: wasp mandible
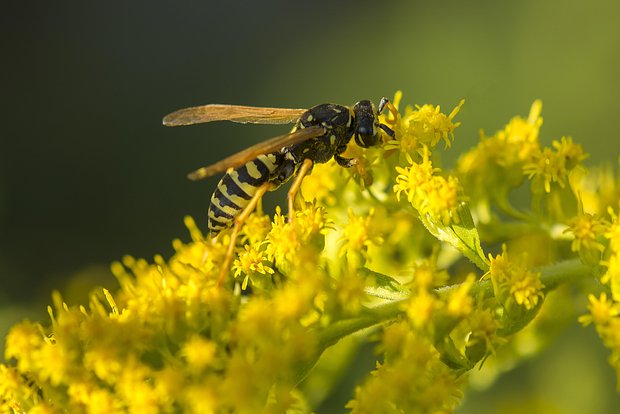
[(320, 134)]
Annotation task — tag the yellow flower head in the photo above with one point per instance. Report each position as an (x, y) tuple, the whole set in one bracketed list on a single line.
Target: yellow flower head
[(587, 229), (526, 288), (420, 308), (431, 126), (283, 239), (252, 262), (522, 134), (199, 352), (422, 125), (172, 339), (359, 234), (602, 310), (599, 189), (428, 192), (412, 179), (426, 276), (548, 166), (512, 281), (255, 228), (322, 183)]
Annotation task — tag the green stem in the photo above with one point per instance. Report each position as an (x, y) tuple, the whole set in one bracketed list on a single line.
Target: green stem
[(568, 271), (552, 276), (373, 316)]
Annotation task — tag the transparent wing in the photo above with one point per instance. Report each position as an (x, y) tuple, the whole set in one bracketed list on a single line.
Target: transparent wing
[(265, 147), (234, 113)]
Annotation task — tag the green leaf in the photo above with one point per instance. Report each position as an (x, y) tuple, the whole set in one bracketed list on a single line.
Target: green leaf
[(467, 232), (463, 236), (385, 287)]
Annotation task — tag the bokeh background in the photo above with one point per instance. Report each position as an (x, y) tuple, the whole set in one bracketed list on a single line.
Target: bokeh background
[(88, 174)]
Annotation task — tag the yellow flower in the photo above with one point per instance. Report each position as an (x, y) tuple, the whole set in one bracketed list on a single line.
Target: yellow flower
[(602, 311), (199, 352), (426, 275), (414, 380), (526, 288), (514, 282), (425, 125), (250, 263), (431, 126), (522, 134), (495, 166), (410, 180), (427, 192), (549, 167), (587, 229), (599, 189), (572, 153), (299, 241), (312, 221), (321, 184), (420, 308), (441, 199), (359, 234), (255, 228), (23, 342), (172, 340)]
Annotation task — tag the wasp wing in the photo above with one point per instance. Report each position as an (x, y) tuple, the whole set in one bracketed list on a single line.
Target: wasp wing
[(265, 147), (234, 113)]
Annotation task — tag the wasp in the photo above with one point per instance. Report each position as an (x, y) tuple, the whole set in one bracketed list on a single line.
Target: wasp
[(320, 134)]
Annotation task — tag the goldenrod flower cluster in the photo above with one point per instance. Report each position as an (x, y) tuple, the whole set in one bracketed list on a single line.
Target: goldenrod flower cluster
[(440, 269)]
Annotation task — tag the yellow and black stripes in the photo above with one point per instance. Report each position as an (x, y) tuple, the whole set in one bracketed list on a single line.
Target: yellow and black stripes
[(236, 189)]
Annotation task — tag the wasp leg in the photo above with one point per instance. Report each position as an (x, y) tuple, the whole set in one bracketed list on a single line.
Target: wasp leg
[(345, 162), (292, 192), (239, 220)]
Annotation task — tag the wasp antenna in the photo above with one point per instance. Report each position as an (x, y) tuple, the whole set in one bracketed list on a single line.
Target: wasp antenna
[(387, 130), (384, 101)]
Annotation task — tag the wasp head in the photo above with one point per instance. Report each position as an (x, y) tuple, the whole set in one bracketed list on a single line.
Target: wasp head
[(367, 124)]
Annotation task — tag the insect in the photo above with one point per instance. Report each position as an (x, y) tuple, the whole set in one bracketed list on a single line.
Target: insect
[(320, 134)]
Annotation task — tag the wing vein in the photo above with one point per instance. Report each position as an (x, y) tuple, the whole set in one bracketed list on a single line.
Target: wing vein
[(235, 113), (250, 153)]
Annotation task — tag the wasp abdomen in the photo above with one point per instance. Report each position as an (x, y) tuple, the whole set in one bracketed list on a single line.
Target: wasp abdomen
[(236, 188)]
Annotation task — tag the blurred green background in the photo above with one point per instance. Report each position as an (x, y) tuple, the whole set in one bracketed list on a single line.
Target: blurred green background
[(88, 174)]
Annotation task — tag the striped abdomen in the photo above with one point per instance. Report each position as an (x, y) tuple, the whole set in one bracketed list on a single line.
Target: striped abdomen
[(235, 190)]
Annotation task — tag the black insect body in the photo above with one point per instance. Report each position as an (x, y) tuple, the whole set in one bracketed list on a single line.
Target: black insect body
[(340, 123), (320, 134)]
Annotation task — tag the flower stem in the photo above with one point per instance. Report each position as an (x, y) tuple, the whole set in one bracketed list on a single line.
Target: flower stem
[(551, 276)]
